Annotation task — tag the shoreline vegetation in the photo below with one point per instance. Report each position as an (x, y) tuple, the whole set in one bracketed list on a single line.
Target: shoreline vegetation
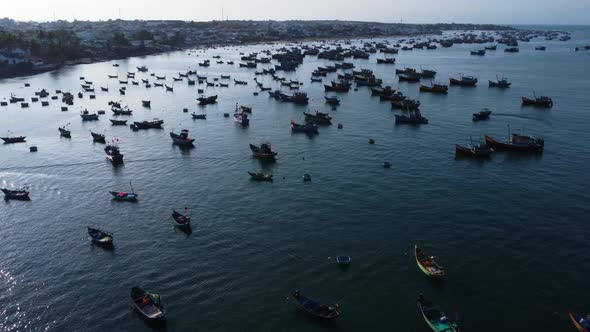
[(29, 48)]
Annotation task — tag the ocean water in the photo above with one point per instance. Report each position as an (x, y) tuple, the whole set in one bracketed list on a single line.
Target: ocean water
[(511, 232)]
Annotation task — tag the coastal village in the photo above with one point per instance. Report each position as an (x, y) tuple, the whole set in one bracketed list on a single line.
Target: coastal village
[(32, 47)]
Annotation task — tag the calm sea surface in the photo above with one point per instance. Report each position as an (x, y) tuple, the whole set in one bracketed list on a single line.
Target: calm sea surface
[(512, 232)]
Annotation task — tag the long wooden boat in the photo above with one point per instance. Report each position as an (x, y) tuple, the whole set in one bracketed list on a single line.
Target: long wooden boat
[(318, 118), (207, 100), (427, 264), (17, 194), (313, 308), (264, 151), (435, 318), (14, 139), (482, 115), (182, 220), (63, 132), (581, 323), (538, 101), (97, 137), (157, 124), (517, 142), (147, 304), (124, 196), (86, 116), (332, 100), (241, 118), (478, 150), (99, 237), (122, 111), (414, 118), (464, 81), (118, 122), (308, 128), (435, 88), (259, 176)]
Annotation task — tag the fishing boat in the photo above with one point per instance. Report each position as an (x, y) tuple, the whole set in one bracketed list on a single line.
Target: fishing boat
[(87, 116), (540, 48), (63, 132), (464, 81), (405, 104), (160, 77), (124, 196), (122, 111), (142, 69), (264, 151), (538, 101), (386, 61), (313, 308), (146, 103), (482, 115), (149, 305), (17, 194), (100, 138), (517, 142), (259, 176), (158, 84), (241, 118), (103, 89), (435, 88), (199, 116), (113, 76), (337, 87), (474, 150), (427, 73), (581, 323), (478, 52), (500, 83), (181, 220), (427, 264), (343, 260), (99, 237), (169, 88), (156, 123), (511, 50), (114, 155), (118, 122), (435, 317), (410, 78), (332, 100), (491, 47), (297, 98), (308, 128), (318, 118), (182, 139), (414, 118), (207, 100), (13, 139)]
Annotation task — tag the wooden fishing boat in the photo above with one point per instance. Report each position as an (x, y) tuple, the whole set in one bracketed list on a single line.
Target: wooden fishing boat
[(146, 103), (477, 150), (542, 101), (410, 78), (123, 196), (581, 323), (241, 118), (156, 123), (435, 317), (435, 88), (386, 61), (482, 115), (177, 79), (17, 194), (332, 100), (118, 122), (160, 77), (142, 69), (149, 305), (103, 89), (245, 109), (13, 139), (405, 104), (427, 264), (464, 81), (113, 76), (500, 83), (114, 155), (414, 118), (100, 138), (318, 118), (427, 73), (297, 98), (337, 87), (99, 237), (313, 308), (122, 111), (207, 100), (264, 151), (199, 116), (169, 88), (87, 116), (478, 52), (182, 139), (259, 176), (238, 82), (181, 220), (511, 50), (158, 84), (63, 132), (517, 142), (308, 128)]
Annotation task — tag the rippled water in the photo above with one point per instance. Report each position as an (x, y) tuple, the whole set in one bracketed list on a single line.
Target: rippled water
[(511, 231)]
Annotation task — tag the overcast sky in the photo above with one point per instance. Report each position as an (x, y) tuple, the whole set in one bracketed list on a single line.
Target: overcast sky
[(408, 11)]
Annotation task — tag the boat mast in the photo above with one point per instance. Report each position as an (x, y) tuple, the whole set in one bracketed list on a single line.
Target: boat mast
[(130, 185)]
